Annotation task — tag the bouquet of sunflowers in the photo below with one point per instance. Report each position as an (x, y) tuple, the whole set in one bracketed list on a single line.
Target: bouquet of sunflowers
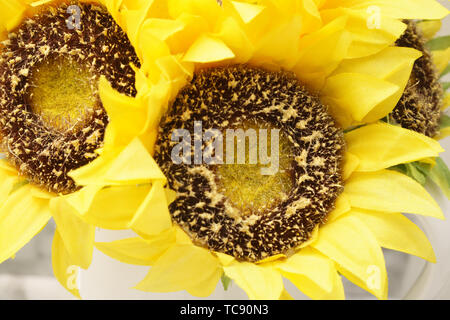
[(123, 115)]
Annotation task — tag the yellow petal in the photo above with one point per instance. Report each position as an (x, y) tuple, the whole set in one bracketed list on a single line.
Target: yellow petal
[(285, 295), (82, 200), (21, 218), (63, 268), (208, 49), (134, 19), (352, 246), (260, 282), (308, 266), (162, 28), (134, 165), (11, 13), (183, 267), (153, 215), (78, 236), (395, 231), (247, 11), (367, 39), (114, 207), (351, 162), (441, 59), (390, 191), (382, 145), (231, 33), (225, 259), (429, 28), (345, 91), (137, 250), (402, 9), (384, 76), (92, 173), (443, 133), (321, 52), (127, 116), (8, 181), (341, 207)]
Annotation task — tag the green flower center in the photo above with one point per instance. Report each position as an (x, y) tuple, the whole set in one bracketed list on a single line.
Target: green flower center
[(245, 185), (63, 93)]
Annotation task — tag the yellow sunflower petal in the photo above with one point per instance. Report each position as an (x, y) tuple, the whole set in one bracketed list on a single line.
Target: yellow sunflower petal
[(21, 218), (351, 162), (137, 250), (285, 296), (208, 49), (82, 200), (429, 28), (109, 210), (63, 268), (367, 39), (344, 91), (127, 116), (402, 9), (390, 191), (90, 174), (11, 13), (395, 231), (308, 266), (184, 267), (162, 28), (260, 282), (352, 246), (384, 76), (231, 33), (134, 165), (133, 20), (441, 58), (341, 207), (443, 133), (153, 215), (78, 236), (446, 101), (8, 181), (321, 52), (247, 11), (382, 145)]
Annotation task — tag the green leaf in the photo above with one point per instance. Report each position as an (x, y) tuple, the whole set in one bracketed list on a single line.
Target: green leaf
[(445, 121), (417, 170), (226, 281), (445, 85), (399, 168), (439, 43), (441, 176)]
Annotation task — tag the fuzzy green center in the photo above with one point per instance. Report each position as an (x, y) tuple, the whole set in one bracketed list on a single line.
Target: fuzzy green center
[(63, 93), (245, 185)]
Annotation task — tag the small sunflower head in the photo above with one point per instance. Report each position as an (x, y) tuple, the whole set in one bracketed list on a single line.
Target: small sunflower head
[(51, 117), (237, 208), (419, 109)]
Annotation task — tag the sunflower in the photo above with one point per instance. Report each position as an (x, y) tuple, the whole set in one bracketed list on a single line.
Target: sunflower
[(63, 65), (316, 74), (423, 104)]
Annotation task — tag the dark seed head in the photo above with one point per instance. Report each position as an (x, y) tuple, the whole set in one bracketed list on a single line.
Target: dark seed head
[(419, 109), (223, 207), (51, 117)]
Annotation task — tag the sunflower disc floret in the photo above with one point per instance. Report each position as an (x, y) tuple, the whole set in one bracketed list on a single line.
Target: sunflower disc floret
[(419, 108), (241, 96), (52, 119)]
